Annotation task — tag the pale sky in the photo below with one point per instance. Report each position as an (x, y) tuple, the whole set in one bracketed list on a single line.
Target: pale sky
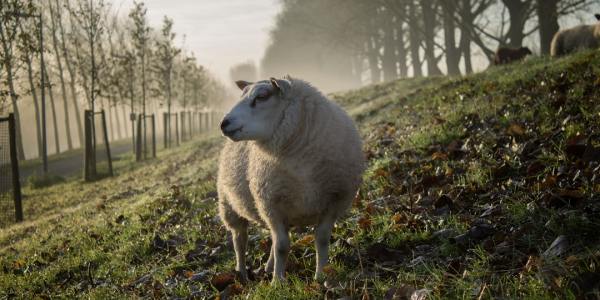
[(220, 33)]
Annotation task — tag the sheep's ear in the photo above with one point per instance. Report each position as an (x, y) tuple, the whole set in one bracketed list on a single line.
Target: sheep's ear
[(282, 85), (242, 84), (597, 17)]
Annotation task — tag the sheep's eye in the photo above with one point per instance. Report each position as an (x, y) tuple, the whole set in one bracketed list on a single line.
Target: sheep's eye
[(259, 98), (262, 97)]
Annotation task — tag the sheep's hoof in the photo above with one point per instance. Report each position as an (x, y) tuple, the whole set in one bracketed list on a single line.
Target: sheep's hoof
[(277, 281), (269, 268), (242, 276), (320, 277)]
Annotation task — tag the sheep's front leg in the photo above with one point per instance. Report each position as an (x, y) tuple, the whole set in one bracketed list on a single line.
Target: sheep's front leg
[(281, 249), (322, 236), (240, 241)]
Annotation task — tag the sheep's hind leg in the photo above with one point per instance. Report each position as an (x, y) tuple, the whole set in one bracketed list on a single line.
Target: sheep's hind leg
[(322, 236), (240, 242), (281, 249)]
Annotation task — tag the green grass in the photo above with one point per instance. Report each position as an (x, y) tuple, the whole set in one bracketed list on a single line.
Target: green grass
[(469, 181)]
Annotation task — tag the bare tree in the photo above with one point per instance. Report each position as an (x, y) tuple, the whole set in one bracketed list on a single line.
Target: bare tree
[(11, 14), (61, 77), (70, 68), (246, 71), (452, 51), (29, 47)]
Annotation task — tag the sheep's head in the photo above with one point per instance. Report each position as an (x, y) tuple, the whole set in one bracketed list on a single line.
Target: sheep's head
[(259, 110), (525, 51)]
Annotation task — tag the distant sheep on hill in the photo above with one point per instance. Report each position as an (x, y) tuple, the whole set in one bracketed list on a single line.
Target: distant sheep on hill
[(580, 37), (293, 158), (505, 55)]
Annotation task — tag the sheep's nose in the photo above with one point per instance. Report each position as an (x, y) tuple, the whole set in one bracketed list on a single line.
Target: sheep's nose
[(224, 123)]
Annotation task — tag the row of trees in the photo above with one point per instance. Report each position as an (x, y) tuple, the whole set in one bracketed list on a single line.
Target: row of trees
[(341, 43), (94, 57)]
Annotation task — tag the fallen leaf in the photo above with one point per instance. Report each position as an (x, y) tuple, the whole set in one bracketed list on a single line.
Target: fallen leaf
[(402, 292), (222, 280), (329, 271), (305, 241), (515, 129), (439, 156), (364, 222), (399, 218)]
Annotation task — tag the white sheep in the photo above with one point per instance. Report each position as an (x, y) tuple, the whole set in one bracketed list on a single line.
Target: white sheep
[(294, 158), (579, 37)]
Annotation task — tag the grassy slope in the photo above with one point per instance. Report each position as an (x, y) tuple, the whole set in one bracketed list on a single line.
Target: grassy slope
[(470, 180)]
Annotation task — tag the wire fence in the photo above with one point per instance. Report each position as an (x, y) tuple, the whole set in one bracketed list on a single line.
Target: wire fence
[(146, 141), (10, 187), (170, 130)]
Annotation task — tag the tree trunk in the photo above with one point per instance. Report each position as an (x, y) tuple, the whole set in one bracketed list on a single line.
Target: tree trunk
[(71, 71), (452, 52), (124, 113), (415, 40), (9, 74), (53, 109), (519, 13), (465, 37), (429, 11), (36, 106), (357, 69), (372, 57), (390, 71), (465, 49), (61, 77), (401, 50), (548, 20), (118, 131), (125, 120)]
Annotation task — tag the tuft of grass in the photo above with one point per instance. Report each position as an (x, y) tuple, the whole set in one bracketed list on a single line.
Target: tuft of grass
[(37, 181)]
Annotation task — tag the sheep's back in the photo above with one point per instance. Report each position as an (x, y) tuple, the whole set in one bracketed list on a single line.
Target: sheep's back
[(576, 38), (325, 173)]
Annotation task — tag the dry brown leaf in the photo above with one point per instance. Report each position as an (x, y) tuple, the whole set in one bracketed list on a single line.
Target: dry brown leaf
[(222, 280), (305, 241), (364, 222), (439, 156), (515, 129), (399, 218)]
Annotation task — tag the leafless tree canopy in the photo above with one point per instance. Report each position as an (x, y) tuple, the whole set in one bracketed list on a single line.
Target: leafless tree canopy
[(342, 43)]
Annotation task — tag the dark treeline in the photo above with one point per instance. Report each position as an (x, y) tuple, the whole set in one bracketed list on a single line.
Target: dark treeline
[(94, 58), (343, 43)]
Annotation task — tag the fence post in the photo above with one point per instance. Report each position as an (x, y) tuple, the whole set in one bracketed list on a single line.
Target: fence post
[(205, 114), (177, 128), (14, 162), (190, 123), (165, 128), (87, 151), (132, 118), (106, 143), (182, 119), (201, 122), (153, 136), (138, 140)]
